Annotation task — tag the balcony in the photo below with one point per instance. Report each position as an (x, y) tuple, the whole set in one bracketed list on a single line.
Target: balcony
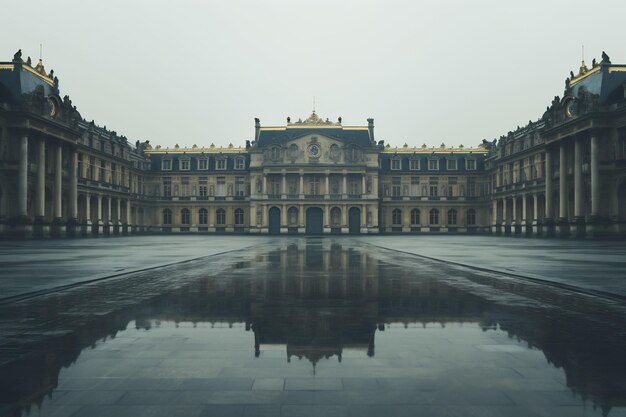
[(354, 196), (313, 196)]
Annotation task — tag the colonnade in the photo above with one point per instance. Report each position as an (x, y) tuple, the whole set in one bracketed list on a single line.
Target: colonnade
[(510, 212), (64, 214)]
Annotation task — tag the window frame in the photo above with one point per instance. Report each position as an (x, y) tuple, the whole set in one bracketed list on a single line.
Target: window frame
[(164, 162), (219, 162), (396, 217), (395, 161)]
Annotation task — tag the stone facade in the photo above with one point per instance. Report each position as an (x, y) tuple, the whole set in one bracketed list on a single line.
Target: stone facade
[(63, 176)]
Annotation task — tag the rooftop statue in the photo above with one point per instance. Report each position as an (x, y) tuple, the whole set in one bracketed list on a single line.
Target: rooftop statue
[(18, 56), (605, 58)]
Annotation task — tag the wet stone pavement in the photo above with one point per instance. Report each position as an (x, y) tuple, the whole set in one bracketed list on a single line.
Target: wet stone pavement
[(313, 327)]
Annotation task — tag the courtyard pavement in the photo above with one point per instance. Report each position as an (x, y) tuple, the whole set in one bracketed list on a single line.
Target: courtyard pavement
[(590, 265), (32, 266)]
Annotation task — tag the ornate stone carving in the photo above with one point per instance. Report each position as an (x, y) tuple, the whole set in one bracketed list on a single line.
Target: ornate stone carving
[(314, 120)]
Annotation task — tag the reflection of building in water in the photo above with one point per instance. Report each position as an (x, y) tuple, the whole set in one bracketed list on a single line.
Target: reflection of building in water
[(318, 299)]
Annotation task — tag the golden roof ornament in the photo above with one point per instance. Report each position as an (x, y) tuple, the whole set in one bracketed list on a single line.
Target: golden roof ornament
[(314, 120)]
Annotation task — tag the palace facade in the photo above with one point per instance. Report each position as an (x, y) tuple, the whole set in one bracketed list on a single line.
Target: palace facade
[(562, 175)]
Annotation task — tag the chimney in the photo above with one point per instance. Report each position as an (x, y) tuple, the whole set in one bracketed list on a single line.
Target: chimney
[(370, 127), (257, 128)]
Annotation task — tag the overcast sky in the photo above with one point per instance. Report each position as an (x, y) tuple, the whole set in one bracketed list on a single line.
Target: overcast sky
[(198, 72)]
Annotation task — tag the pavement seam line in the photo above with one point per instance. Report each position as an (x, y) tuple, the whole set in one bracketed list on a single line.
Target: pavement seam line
[(573, 288), (60, 288)]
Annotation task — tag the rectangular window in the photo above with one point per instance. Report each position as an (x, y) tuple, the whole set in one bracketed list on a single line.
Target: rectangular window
[(202, 190), (203, 164), (451, 164), (240, 185), (166, 164), (240, 163), (396, 187), (167, 186), (221, 187), (471, 187), (433, 164), (220, 164), (113, 174), (415, 180), (470, 164), (314, 185), (434, 190), (102, 176), (396, 165), (184, 164), (184, 182), (414, 164)]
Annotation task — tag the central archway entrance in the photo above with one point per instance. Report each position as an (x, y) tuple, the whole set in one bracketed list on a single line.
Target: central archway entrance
[(354, 220), (314, 221), (274, 221)]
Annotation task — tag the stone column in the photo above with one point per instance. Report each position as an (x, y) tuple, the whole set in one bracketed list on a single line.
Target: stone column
[(22, 179), (506, 228), (363, 185), (85, 226), (118, 216), (58, 182), (494, 216), (73, 195), (562, 183), (345, 184), (284, 184), (301, 190), (326, 184), (595, 177), (129, 215), (514, 224), (264, 191), (549, 219), (326, 219), (535, 229), (109, 218), (563, 226), (579, 215), (97, 225), (40, 211), (524, 220)]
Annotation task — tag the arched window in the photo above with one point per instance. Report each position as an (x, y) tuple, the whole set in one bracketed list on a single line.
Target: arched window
[(167, 216), (239, 217), (220, 216), (434, 216), (185, 216), (335, 216), (471, 217), (203, 216), (452, 216), (396, 217), (415, 216)]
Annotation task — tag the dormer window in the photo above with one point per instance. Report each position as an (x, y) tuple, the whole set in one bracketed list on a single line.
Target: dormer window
[(275, 153), (166, 164), (433, 164), (396, 164), (414, 164), (470, 164), (240, 163), (203, 164), (185, 164), (451, 164), (220, 164)]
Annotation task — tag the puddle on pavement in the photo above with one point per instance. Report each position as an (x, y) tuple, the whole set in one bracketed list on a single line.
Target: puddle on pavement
[(317, 322)]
